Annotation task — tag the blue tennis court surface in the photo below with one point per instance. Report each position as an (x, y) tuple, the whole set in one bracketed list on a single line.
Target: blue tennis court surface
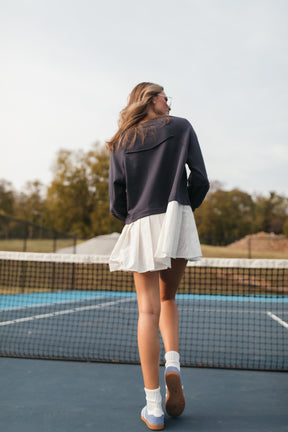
[(57, 396), (215, 331), (44, 298)]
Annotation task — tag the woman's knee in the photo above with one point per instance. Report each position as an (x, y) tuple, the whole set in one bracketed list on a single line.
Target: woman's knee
[(167, 296), (150, 309)]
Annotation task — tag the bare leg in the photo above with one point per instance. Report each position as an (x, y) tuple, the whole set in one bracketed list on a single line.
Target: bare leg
[(147, 288), (169, 282)]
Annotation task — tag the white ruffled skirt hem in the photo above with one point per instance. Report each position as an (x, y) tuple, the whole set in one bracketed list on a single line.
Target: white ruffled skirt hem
[(149, 243)]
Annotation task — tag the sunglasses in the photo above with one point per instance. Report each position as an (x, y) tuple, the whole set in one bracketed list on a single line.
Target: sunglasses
[(167, 99)]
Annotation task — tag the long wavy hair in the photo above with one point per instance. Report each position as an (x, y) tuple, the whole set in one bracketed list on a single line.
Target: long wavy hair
[(136, 110)]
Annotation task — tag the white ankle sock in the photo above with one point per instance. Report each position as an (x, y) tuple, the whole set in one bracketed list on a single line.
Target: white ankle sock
[(154, 401), (172, 359)]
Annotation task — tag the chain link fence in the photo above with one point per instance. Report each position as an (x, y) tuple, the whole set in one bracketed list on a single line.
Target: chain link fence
[(24, 236)]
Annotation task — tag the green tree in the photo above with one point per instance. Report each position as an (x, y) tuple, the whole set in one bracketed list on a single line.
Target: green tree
[(77, 199), (69, 201), (31, 204), (271, 212), (98, 168), (7, 198), (225, 216)]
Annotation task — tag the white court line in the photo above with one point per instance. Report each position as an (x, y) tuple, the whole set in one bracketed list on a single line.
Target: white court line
[(64, 312), (274, 317), (222, 310), (40, 305)]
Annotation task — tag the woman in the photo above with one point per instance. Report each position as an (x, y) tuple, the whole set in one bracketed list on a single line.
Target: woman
[(150, 192)]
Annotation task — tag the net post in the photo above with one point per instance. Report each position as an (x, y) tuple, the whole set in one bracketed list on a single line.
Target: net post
[(25, 237), (249, 247), (74, 243), (54, 240)]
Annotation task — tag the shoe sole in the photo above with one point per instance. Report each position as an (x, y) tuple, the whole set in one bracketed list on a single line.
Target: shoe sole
[(175, 400), (151, 426)]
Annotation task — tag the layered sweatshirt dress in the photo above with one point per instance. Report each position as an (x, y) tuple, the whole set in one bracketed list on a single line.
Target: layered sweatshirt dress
[(151, 191)]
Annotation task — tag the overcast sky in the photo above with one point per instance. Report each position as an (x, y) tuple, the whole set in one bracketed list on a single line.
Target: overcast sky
[(68, 66)]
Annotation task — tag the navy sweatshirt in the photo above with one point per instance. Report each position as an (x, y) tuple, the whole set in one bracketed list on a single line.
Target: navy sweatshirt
[(144, 178)]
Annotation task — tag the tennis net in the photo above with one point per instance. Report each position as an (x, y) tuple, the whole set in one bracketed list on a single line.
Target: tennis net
[(233, 313)]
